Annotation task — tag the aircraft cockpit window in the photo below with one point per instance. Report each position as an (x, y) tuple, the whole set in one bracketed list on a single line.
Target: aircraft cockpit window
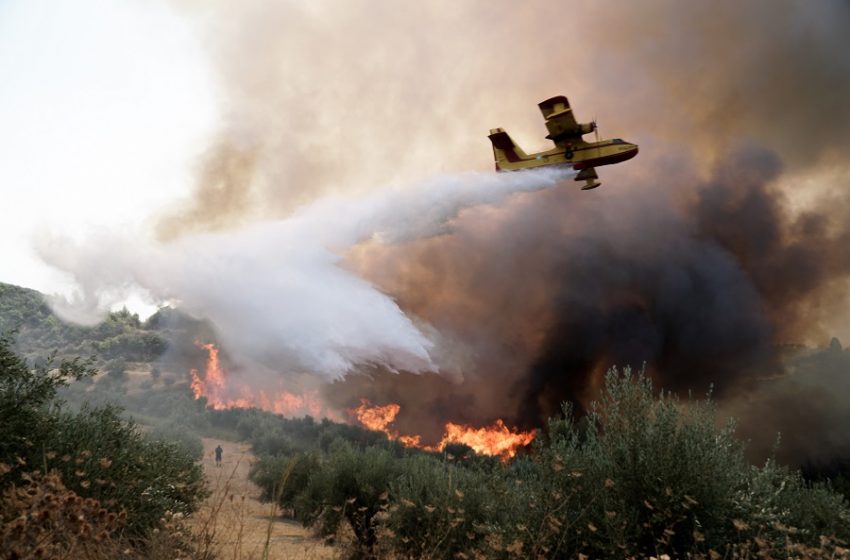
[(618, 141)]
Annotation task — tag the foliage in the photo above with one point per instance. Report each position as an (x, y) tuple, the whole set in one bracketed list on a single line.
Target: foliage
[(100, 455), (177, 434), (95, 452), (27, 400), (351, 486), (283, 478), (643, 474), (449, 506), (120, 336), (43, 519)]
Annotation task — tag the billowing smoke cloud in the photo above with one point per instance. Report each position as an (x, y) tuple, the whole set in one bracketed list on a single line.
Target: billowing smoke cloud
[(725, 237), (275, 290), (552, 290), (328, 94)]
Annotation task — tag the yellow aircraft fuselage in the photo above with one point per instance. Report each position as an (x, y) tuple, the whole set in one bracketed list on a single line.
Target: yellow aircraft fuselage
[(570, 148)]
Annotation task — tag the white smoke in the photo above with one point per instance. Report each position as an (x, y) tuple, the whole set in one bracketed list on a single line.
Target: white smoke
[(275, 290)]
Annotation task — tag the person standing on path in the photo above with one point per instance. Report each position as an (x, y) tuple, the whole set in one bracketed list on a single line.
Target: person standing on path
[(218, 452)]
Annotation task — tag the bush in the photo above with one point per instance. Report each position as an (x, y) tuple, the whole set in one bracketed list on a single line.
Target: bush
[(95, 452), (43, 519), (641, 475), (350, 486), (188, 442), (117, 369), (283, 478), (100, 455), (449, 508), (647, 475), (27, 402)]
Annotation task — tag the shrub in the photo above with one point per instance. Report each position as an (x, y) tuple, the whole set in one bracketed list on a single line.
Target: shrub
[(449, 509), (43, 519), (27, 401), (352, 487), (95, 452), (648, 475), (186, 440), (100, 455), (283, 478), (117, 369), (641, 475)]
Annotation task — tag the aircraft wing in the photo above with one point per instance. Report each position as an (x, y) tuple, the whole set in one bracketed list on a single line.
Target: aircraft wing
[(560, 121)]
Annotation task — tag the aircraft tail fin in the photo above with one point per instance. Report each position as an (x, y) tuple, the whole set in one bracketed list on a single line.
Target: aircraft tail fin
[(505, 150)]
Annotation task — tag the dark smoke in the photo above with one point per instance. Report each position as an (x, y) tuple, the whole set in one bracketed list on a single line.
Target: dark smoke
[(805, 409), (727, 237), (704, 300), (792, 260), (549, 292)]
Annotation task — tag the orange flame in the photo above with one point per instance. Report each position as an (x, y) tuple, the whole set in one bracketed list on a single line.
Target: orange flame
[(212, 384), (377, 418), (495, 440), (221, 395)]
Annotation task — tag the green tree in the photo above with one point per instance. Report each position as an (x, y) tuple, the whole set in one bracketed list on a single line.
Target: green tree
[(96, 452)]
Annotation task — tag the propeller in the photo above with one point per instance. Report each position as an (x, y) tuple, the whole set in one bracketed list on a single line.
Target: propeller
[(596, 131)]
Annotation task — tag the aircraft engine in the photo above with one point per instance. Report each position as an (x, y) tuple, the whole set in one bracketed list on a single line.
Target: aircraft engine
[(587, 128)]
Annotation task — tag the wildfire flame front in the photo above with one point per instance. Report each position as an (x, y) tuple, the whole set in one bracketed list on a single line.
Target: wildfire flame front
[(494, 440)]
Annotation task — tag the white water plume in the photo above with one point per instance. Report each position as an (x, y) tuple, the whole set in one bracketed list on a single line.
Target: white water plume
[(275, 290)]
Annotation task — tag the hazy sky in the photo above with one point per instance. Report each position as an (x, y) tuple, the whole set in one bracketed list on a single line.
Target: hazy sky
[(104, 108)]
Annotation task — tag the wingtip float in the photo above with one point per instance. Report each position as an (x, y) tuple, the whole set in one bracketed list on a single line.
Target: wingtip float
[(570, 148)]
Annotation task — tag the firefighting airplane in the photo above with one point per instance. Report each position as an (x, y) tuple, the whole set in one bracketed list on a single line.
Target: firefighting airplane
[(570, 148)]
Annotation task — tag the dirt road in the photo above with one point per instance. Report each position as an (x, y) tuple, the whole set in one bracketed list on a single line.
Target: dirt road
[(238, 524)]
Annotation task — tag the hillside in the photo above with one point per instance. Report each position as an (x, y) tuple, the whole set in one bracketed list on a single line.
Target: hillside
[(120, 339)]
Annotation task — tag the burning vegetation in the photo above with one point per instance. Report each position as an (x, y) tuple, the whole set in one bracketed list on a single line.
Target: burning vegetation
[(221, 395), (494, 440), (641, 475)]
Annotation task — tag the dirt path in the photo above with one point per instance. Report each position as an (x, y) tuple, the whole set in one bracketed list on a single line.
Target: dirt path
[(239, 523)]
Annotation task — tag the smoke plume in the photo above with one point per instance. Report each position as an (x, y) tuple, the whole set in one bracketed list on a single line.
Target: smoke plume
[(275, 290), (725, 238)]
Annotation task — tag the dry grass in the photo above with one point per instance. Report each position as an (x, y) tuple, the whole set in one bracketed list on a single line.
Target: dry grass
[(234, 524), (41, 518)]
